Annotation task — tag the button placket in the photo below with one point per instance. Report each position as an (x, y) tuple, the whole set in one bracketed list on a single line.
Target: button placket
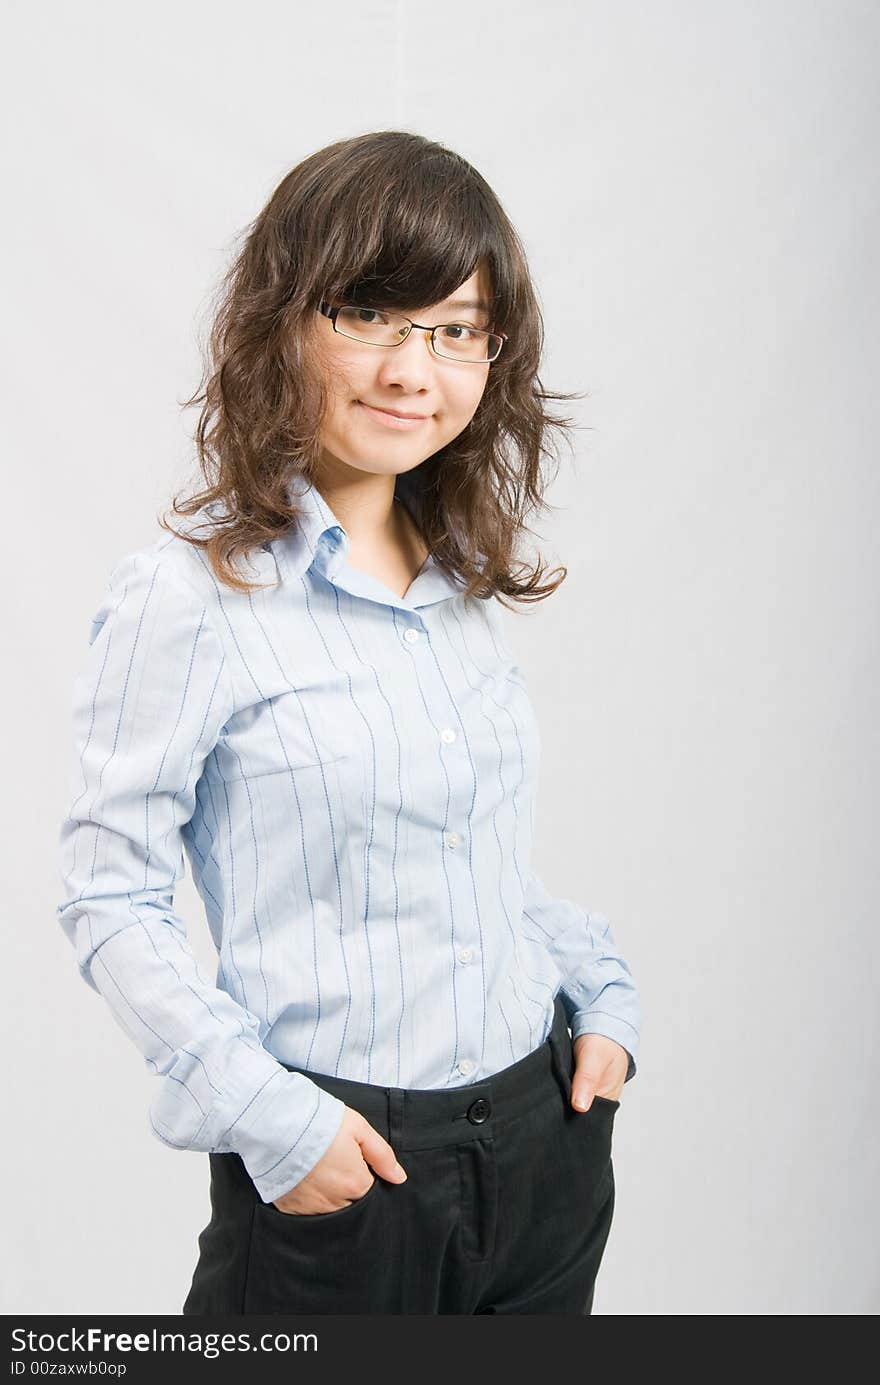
[(453, 840)]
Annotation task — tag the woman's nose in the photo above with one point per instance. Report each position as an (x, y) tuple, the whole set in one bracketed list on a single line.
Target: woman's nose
[(411, 364)]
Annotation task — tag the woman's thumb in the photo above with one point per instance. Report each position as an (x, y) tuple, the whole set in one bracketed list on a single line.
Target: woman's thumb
[(381, 1157)]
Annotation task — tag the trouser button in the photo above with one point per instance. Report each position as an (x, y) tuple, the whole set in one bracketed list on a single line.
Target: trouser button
[(479, 1111)]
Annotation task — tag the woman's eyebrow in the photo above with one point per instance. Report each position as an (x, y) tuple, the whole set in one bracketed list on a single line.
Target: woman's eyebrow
[(468, 303)]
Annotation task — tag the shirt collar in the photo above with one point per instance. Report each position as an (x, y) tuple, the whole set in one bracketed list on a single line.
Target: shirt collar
[(302, 540), (321, 539)]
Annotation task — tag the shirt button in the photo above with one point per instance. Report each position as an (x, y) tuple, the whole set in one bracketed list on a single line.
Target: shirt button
[(410, 635), (465, 1066), (447, 735), (452, 839), (465, 954)]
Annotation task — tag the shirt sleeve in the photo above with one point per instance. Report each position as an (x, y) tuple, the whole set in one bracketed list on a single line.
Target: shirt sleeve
[(148, 708), (598, 992)]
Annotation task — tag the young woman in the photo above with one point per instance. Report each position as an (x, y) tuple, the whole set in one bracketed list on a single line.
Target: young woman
[(407, 1068)]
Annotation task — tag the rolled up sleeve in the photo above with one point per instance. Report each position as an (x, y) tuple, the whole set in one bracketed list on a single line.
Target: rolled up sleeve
[(148, 707), (598, 991)]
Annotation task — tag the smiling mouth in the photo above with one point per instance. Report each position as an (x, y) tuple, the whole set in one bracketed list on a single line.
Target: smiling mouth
[(390, 420)]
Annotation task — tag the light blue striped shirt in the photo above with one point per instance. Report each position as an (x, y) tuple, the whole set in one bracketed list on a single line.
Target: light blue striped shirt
[(351, 775)]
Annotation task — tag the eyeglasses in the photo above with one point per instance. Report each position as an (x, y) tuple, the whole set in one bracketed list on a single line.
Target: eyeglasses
[(455, 341)]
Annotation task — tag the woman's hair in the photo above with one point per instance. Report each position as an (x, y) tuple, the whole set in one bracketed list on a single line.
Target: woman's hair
[(391, 220)]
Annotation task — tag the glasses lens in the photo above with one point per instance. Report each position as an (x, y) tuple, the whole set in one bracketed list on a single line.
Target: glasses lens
[(459, 342), (371, 324)]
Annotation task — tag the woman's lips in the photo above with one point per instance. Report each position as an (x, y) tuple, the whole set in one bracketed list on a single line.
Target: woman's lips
[(391, 420)]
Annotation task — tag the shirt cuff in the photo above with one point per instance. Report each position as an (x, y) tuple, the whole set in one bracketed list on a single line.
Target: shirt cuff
[(283, 1130), (593, 1022)]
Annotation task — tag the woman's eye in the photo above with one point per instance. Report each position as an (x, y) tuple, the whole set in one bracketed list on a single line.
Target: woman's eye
[(457, 327), (369, 315)]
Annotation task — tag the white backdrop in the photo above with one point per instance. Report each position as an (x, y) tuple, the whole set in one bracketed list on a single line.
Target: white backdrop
[(696, 186)]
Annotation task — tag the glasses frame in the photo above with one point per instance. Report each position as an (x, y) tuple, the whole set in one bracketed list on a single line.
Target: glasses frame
[(330, 310)]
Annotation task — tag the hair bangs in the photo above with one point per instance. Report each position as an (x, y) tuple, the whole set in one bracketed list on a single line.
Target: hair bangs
[(414, 240)]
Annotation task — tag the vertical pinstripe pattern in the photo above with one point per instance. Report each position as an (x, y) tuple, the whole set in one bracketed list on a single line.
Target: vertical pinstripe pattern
[(351, 776)]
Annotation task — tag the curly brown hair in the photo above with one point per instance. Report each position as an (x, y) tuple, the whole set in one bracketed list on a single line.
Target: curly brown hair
[(387, 219)]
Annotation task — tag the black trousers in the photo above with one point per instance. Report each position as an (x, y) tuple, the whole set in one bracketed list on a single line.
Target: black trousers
[(507, 1207)]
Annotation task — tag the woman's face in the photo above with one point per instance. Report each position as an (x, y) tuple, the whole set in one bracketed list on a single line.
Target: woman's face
[(409, 379)]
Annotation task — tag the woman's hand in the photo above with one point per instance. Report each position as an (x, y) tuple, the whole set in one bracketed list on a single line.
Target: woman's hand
[(342, 1174), (601, 1066)]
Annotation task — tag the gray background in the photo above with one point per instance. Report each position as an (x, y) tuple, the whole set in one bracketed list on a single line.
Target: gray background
[(697, 189)]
